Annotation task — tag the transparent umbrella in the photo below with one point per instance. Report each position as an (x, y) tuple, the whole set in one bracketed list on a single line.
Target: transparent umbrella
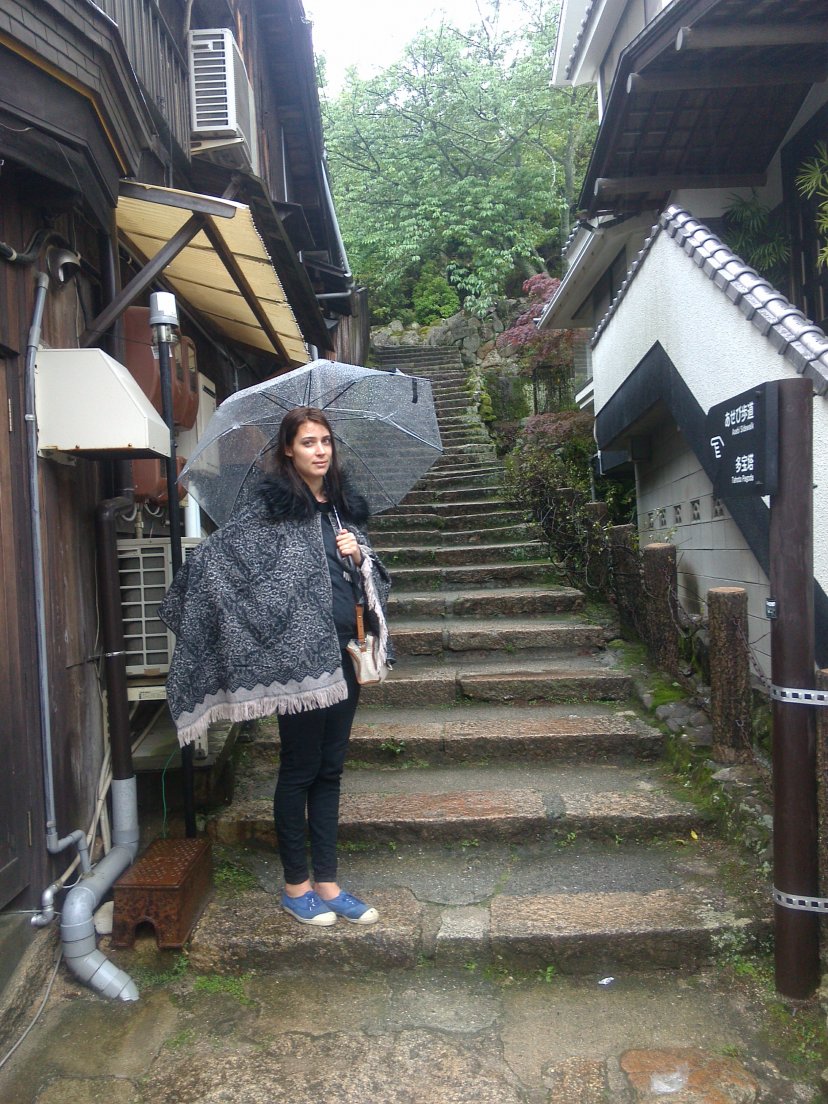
[(384, 423)]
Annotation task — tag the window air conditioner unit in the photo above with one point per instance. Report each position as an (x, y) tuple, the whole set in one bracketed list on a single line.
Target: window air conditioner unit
[(221, 101), (145, 572)]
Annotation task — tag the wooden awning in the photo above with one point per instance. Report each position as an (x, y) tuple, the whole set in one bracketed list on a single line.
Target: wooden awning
[(223, 271), (209, 252)]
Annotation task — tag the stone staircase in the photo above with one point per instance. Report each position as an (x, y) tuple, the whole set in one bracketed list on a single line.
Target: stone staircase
[(548, 900), (504, 802)]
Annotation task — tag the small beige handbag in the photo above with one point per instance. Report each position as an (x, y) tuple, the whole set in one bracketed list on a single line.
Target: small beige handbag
[(364, 651)]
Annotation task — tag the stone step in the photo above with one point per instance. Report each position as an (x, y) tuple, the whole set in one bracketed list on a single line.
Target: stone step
[(451, 421), (445, 467), (420, 353), (498, 634), (537, 733), (466, 575), (409, 555), (525, 531), (454, 405), (437, 485), (461, 494), (448, 466), (503, 601), (474, 477), (464, 436), (493, 801), (448, 394), (412, 523), (485, 505), (537, 677), (456, 912)]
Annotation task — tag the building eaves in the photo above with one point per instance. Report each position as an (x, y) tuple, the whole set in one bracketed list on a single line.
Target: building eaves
[(797, 338), (576, 46)]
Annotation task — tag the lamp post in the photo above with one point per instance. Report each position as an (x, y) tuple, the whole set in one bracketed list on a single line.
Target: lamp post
[(164, 322)]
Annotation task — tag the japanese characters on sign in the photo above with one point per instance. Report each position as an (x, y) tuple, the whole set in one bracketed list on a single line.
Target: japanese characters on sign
[(742, 434)]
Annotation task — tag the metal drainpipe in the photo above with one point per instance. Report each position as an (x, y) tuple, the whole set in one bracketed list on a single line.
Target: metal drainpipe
[(54, 844), (77, 928)]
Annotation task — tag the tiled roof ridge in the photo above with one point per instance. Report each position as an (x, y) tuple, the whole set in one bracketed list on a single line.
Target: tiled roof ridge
[(793, 335), (576, 46)]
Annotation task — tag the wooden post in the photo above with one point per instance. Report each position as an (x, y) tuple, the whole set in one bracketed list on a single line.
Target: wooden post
[(795, 862), (626, 574), (730, 697), (822, 798), (660, 580)]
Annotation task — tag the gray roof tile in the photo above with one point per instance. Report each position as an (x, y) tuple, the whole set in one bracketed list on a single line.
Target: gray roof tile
[(803, 344)]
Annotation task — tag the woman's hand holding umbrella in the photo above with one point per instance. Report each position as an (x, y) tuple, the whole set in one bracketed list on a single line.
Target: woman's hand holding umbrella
[(346, 544)]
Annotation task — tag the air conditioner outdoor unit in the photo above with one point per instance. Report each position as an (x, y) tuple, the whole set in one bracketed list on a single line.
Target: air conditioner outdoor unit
[(223, 113), (145, 572)]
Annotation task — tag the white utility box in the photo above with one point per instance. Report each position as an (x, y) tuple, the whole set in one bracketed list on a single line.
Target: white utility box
[(89, 404)]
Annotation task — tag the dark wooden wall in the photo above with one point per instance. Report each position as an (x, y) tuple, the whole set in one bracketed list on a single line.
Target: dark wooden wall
[(68, 497)]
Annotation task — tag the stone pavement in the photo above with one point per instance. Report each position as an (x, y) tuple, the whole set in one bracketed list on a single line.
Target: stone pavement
[(560, 925)]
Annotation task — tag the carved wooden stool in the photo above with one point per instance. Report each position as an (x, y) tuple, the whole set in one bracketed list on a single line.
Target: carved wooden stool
[(167, 888)]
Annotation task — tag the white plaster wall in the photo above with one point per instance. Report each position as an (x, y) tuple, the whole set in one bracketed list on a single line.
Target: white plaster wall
[(710, 548), (718, 353)]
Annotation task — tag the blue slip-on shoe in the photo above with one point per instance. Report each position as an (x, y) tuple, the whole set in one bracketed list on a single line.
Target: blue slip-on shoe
[(309, 909), (352, 909)]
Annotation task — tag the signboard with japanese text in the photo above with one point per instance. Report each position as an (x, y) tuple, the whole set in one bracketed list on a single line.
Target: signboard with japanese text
[(742, 435)]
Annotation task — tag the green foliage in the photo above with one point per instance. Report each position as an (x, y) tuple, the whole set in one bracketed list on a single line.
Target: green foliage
[(219, 983), (549, 473), (393, 746), (231, 879), (758, 235), (459, 157), (548, 973), (812, 182), (148, 976), (434, 298)]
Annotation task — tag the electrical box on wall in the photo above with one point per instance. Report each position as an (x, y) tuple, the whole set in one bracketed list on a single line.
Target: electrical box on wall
[(187, 439), (141, 358), (150, 480)]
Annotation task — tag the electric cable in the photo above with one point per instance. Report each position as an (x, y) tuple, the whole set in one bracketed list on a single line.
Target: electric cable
[(6, 1057)]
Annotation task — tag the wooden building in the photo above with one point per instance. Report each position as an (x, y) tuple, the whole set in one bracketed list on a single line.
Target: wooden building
[(144, 145)]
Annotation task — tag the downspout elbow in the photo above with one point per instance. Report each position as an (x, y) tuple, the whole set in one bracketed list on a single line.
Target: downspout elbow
[(77, 929)]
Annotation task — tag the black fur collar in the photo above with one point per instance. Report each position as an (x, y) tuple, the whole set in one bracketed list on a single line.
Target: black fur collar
[(283, 502)]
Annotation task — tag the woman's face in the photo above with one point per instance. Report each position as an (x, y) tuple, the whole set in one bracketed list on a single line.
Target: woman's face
[(311, 453)]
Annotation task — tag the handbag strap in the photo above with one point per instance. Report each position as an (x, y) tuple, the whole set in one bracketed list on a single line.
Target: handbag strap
[(360, 626)]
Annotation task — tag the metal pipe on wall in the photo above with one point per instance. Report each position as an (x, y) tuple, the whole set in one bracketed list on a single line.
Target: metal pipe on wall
[(55, 845), (79, 942)]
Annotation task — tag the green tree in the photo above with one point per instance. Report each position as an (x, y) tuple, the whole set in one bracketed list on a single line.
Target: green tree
[(461, 157)]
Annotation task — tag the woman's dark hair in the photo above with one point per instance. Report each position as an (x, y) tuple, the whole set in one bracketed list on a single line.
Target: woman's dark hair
[(288, 430)]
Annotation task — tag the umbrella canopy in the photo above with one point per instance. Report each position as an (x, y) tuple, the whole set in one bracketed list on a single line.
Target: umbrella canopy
[(384, 423)]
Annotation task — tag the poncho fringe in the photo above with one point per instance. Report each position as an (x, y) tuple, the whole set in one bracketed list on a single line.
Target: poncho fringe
[(264, 706)]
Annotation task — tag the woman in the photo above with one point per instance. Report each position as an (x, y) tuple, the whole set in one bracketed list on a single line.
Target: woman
[(262, 612)]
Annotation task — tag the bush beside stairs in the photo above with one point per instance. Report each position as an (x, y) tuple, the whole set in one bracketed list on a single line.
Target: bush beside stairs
[(504, 801)]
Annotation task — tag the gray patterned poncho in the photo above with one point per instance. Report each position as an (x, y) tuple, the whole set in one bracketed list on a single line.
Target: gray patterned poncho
[(252, 612)]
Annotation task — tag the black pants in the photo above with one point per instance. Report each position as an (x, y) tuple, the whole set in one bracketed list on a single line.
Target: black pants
[(313, 748)]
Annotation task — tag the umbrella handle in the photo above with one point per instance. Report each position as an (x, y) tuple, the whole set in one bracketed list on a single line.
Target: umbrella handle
[(347, 560)]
